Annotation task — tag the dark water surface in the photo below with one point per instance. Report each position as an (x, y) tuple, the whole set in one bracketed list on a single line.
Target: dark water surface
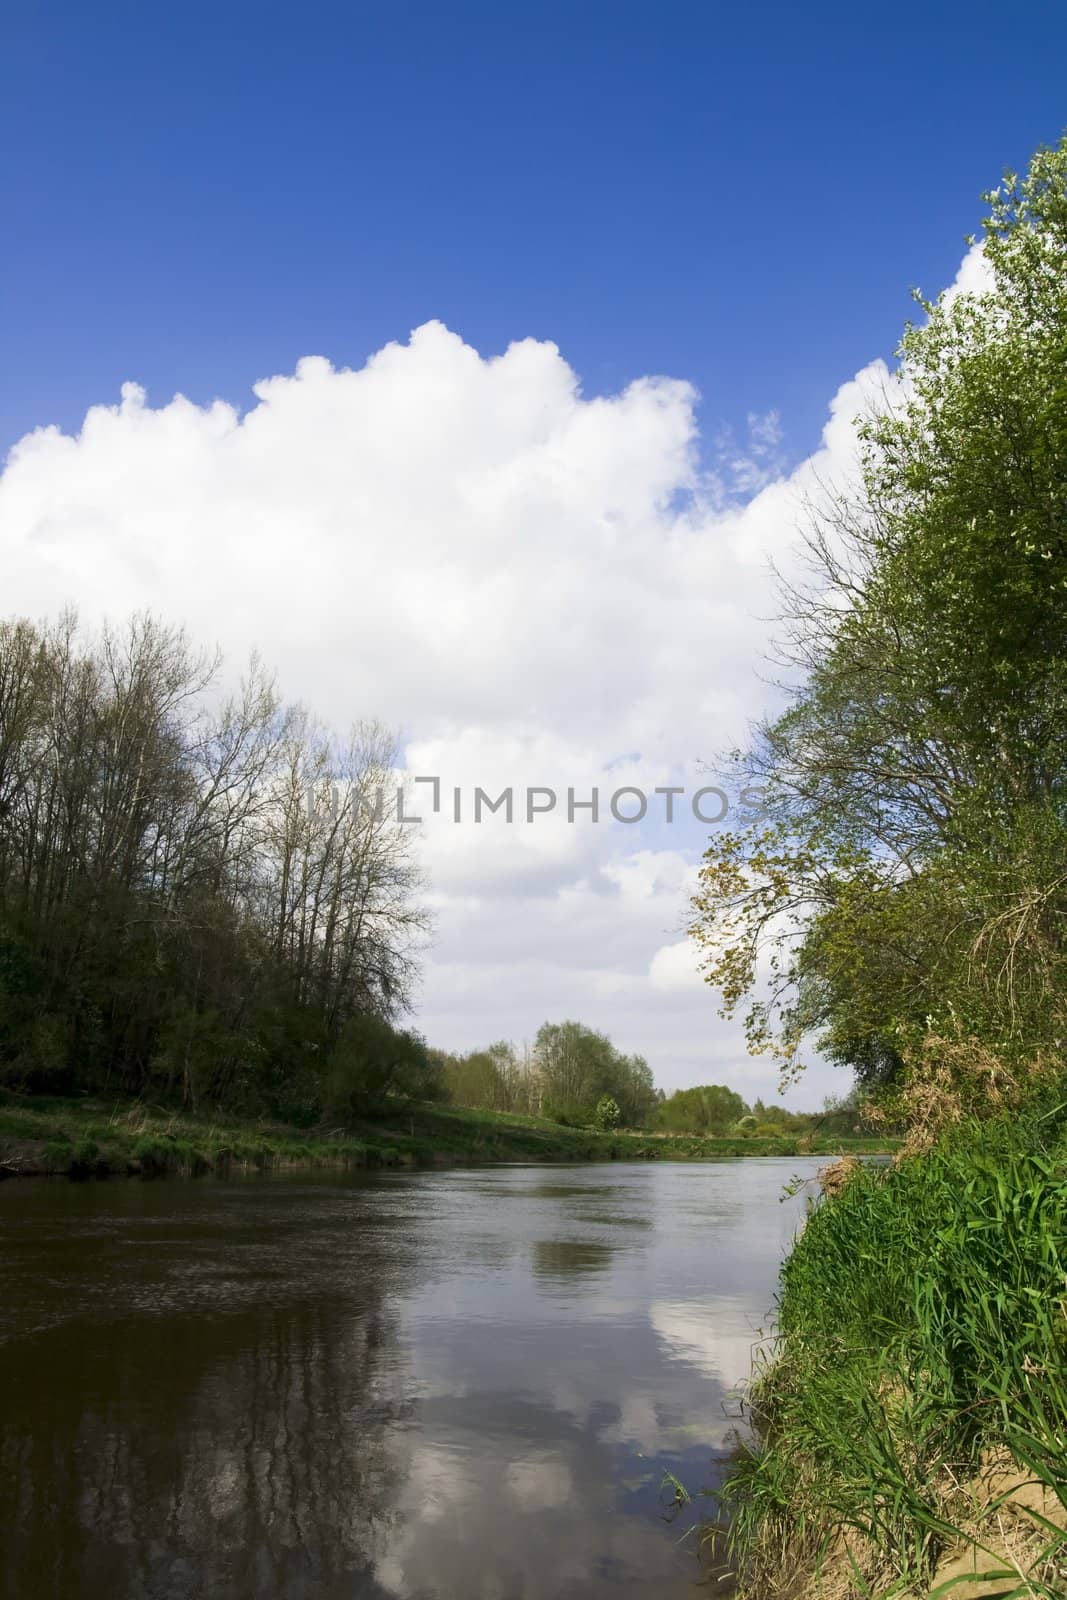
[(448, 1386)]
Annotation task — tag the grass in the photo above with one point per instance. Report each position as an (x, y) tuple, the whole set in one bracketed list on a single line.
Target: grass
[(919, 1372), (90, 1137)]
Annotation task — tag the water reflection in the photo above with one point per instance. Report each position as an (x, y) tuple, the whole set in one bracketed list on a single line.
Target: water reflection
[(564, 1258), (464, 1385)]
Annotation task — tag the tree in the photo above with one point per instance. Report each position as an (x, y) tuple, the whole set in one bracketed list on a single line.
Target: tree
[(374, 1063), (707, 1108), (174, 915), (635, 1090), (909, 886), (576, 1066)]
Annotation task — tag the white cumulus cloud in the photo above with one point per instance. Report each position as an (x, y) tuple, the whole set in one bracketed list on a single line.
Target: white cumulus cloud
[(533, 587)]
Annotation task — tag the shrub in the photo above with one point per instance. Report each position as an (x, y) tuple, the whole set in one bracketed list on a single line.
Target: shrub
[(607, 1115), (566, 1116), (374, 1063)]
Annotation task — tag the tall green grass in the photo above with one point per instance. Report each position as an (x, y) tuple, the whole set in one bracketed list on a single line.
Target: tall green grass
[(922, 1333)]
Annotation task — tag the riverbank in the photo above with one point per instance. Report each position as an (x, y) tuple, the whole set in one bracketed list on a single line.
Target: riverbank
[(911, 1419), (87, 1138)]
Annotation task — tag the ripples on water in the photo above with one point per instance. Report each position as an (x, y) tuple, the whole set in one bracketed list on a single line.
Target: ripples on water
[(450, 1386)]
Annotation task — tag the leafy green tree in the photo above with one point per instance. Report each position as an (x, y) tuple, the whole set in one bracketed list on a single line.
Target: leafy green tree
[(707, 1108), (909, 885), (576, 1065), (174, 914), (373, 1064), (635, 1091)]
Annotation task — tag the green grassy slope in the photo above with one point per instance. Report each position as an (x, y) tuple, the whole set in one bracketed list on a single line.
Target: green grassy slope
[(86, 1137), (922, 1360)]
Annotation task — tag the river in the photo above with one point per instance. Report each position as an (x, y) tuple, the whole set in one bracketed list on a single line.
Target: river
[(459, 1385)]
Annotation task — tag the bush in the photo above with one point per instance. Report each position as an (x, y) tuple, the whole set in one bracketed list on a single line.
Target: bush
[(40, 1061), (567, 1116), (374, 1064), (607, 1115)]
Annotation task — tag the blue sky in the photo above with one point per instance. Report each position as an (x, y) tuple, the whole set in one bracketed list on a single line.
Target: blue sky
[(196, 195), (545, 568)]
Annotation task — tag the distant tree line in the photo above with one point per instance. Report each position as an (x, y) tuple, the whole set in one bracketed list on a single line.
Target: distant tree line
[(575, 1075), (712, 1109), (564, 1076), (177, 913)]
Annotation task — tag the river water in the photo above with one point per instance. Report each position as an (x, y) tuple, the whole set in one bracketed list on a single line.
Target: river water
[(459, 1385)]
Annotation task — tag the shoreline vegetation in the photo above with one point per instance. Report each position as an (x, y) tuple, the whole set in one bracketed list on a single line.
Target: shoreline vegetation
[(906, 888), (42, 1136), (909, 1419)]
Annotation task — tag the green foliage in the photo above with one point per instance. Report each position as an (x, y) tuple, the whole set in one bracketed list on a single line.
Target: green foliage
[(575, 1067), (909, 882), (494, 1078), (57, 1156), (708, 1108), (564, 1116), (372, 1064), (608, 1115), (184, 909), (22, 982), (907, 894), (922, 1332), (46, 1133), (570, 1068)]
